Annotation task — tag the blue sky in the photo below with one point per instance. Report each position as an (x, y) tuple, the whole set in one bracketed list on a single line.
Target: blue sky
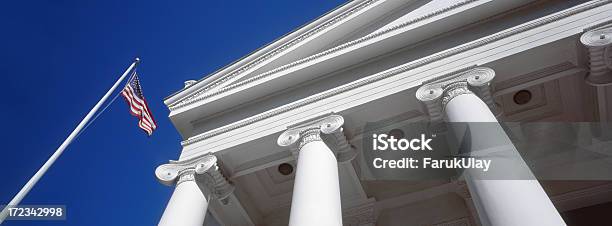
[(57, 58)]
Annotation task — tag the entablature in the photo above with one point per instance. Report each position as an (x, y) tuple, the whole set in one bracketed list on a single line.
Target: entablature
[(325, 29), (347, 97), (370, 47)]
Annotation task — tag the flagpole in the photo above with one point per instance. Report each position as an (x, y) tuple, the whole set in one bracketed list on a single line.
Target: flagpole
[(28, 186)]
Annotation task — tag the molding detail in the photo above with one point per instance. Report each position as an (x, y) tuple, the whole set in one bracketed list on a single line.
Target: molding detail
[(203, 170), (268, 55), (437, 92), (187, 175), (310, 135), (200, 94), (395, 71), (454, 90), (189, 83), (598, 42), (296, 136)]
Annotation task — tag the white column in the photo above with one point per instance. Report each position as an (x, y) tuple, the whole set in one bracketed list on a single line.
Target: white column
[(316, 190), (501, 202), (498, 202), (598, 42), (187, 206), (197, 181)]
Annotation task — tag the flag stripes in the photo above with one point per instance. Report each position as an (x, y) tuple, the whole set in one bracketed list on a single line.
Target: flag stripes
[(132, 93)]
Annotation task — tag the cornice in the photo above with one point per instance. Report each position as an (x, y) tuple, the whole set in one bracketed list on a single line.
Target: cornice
[(200, 94), (278, 49), (397, 70)]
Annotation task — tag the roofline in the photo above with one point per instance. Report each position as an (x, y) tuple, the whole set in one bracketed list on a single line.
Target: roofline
[(187, 101), (216, 73)]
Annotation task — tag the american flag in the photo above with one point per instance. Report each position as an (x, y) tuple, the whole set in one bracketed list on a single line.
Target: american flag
[(132, 93)]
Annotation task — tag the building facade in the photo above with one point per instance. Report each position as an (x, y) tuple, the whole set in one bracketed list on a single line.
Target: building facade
[(276, 138)]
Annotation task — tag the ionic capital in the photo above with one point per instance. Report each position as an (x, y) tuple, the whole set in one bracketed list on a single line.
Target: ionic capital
[(453, 90), (203, 170), (598, 42), (330, 126), (186, 175), (309, 135), (436, 93)]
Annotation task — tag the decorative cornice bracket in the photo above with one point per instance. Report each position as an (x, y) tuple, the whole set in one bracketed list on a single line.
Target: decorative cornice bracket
[(296, 136), (437, 92), (203, 170), (598, 41)]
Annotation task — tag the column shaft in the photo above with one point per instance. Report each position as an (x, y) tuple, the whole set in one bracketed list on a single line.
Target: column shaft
[(316, 190), (499, 202), (187, 206)]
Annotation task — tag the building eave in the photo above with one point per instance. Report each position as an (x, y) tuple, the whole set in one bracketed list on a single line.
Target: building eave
[(419, 70), (183, 113), (251, 58), (211, 85)]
